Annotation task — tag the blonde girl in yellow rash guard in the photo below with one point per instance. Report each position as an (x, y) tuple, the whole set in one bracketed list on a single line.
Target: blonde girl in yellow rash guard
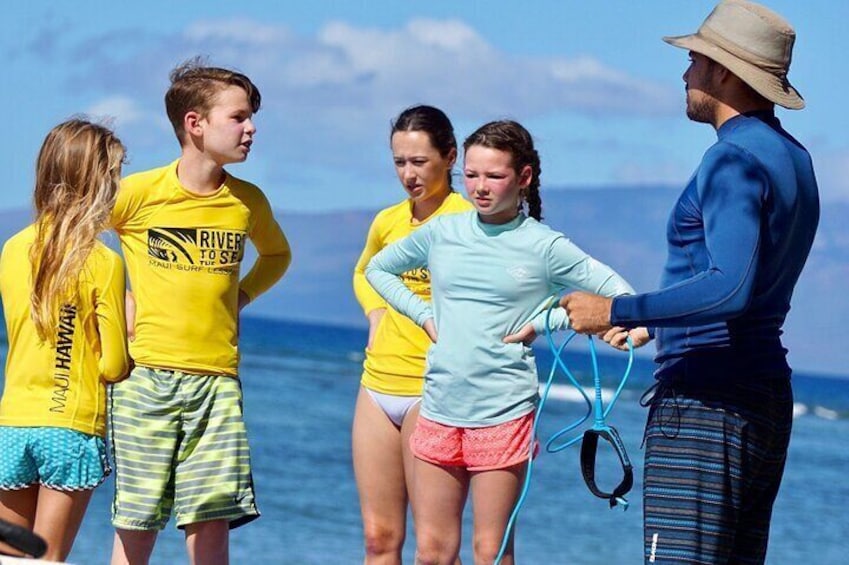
[(63, 300), (424, 150)]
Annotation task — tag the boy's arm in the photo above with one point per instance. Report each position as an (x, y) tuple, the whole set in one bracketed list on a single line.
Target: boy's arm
[(274, 254)]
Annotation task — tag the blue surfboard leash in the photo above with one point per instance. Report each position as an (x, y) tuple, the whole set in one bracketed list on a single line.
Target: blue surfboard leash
[(590, 437)]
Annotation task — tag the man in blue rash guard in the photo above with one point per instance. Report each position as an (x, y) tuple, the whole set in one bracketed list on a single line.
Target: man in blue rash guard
[(720, 415)]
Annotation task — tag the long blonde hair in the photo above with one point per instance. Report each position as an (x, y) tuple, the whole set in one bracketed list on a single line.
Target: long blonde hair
[(76, 180)]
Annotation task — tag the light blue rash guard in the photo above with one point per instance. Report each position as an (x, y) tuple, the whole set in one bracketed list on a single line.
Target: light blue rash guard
[(738, 239), (487, 281)]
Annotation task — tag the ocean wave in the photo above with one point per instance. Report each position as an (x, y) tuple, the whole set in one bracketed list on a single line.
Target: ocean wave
[(355, 356), (827, 413), (568, 393), (818, 411)]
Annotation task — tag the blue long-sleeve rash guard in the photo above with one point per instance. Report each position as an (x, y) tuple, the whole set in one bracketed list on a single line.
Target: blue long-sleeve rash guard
[(738, 238)]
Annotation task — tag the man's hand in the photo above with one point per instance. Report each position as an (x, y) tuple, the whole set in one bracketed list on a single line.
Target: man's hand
[(588, 313), (617, 337)]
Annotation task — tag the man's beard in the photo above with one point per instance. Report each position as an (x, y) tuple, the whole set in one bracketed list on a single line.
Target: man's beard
[(702, 110)]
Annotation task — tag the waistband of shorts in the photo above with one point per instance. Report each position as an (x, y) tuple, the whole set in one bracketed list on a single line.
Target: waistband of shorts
[(180, 372)]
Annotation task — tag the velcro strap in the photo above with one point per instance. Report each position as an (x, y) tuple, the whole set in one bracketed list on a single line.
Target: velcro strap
[(589, 447)]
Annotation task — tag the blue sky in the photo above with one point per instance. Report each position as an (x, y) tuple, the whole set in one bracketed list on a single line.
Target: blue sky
[(594, 83)]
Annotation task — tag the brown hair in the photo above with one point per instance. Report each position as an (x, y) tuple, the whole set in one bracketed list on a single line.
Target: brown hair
[(513, 138), (76, 179), (431, 121), (194, 86)]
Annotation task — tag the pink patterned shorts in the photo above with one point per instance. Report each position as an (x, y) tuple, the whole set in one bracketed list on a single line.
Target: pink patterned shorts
[(476, 449)]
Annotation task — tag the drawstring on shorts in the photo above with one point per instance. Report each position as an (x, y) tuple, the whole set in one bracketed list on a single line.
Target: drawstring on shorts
[(653, 398)]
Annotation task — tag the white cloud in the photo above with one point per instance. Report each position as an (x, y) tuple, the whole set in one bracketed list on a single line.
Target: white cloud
[(328, 98), (450, 64), (423, 47), (833, 175), (240, 30), (123, 110), (373, 69)]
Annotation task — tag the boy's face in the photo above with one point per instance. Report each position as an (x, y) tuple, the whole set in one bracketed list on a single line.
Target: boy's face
[(228, 129)]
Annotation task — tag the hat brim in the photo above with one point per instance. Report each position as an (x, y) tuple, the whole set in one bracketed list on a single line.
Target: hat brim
[(768, 85)]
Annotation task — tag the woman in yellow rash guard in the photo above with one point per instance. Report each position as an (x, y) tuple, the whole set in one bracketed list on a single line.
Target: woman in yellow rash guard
[(63, 300), (424, 150)]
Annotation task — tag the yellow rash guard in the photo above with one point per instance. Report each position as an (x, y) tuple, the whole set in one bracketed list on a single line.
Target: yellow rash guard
[(183, 254), (62, 385), (395, 363)]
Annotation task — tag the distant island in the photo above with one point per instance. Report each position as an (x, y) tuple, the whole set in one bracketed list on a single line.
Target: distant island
[(622, 226)]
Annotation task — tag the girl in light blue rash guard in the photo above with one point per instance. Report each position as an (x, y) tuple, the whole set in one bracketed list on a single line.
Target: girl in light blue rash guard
[(494, 272)]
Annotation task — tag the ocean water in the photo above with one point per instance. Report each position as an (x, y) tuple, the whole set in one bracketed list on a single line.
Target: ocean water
[(300, 382)]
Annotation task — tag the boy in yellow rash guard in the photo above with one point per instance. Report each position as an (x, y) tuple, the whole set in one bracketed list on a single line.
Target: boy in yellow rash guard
[(177, 427), (423, 150), (63, 300), (183, 253)]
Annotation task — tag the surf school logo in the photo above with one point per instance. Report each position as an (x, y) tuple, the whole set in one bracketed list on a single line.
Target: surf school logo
[(171, 244), (420, 275), (196, 249)]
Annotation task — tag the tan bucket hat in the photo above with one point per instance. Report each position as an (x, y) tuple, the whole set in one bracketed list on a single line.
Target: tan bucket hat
[(754, 43)]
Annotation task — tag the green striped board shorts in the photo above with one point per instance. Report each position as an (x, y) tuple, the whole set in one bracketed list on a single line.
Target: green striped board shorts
[(179, 443)]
